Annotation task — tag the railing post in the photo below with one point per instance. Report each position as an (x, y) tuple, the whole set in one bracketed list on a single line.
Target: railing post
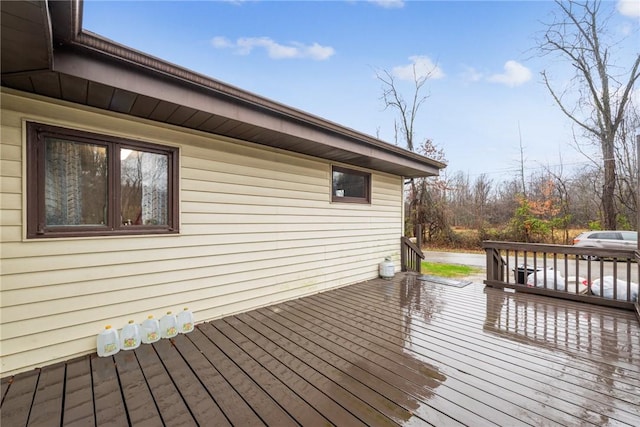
[(419, 244), (637, 304), (410, 255), (494, 267)]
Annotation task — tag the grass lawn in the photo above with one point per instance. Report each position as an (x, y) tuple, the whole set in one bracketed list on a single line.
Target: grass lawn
[(448, 270)]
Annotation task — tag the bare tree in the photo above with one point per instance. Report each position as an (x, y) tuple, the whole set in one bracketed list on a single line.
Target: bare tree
[(628, 175), (563, 194), (524, 186), (481, 192), (459, 200), (578, 36), (408, 112)]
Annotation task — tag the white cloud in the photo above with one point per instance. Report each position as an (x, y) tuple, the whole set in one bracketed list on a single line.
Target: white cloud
[(245, 45), (389, 4), (221, 42), (626, 29), (514, 74), (629, 8), (423, 67), (470, 74)]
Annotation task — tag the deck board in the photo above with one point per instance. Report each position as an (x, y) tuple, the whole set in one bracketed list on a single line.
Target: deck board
[(18, 399), (377, 353), (230, 402), (427, 385), (546, 368), (78, 396), (203, 408), (351, 403), (170, 404), (257, 399), (467, 331), (109, 406), (290, 401), (406, 394), (330, 367), (304, 384), (480, 375), (47, 402), (137, 396), (4, 386), (468, 392)]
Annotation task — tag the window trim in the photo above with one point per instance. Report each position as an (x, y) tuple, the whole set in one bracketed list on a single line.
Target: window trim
[(341, 199), (36, 132)]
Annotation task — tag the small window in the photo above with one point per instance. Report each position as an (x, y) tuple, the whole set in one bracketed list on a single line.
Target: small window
[(350, 186), (80, 184)]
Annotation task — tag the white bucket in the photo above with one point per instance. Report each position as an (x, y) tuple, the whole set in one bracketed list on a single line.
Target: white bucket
[(185, 321), (168, 326), (150, 330), (108, 342), (130, 336)]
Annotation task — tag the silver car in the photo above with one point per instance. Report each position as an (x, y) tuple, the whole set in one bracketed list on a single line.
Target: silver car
[(606, 239)]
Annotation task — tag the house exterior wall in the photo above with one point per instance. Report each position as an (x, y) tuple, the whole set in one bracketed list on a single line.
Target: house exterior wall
[(257, 227)]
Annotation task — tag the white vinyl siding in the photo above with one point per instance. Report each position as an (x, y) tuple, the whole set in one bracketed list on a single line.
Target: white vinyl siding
[(257, 227)]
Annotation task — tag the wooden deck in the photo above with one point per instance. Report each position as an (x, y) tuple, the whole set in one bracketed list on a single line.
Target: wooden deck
[(399, 352)]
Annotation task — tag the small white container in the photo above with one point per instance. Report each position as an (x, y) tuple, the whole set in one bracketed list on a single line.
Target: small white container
[(130, 336), (150, 330), (108, 342), (185, 321), (168, 326), (386, 268)]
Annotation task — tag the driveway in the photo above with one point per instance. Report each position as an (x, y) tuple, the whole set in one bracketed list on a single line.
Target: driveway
[(462, 258)]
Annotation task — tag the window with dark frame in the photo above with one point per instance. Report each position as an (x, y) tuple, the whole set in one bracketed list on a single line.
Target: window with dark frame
[(350, 185), (83, 184)]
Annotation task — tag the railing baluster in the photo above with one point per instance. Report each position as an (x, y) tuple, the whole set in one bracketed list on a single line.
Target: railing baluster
[(615, 279), (588, 276), (629, 280)]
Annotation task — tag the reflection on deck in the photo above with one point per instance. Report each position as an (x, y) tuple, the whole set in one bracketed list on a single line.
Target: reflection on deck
[(575, 328)]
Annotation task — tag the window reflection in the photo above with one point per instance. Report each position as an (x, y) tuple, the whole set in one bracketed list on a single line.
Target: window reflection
[(144, 184), (75, 183)]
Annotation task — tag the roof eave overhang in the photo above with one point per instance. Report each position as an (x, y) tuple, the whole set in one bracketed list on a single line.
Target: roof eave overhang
[(88, 58)]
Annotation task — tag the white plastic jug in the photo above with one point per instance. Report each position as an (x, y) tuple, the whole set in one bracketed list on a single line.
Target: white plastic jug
[(108, 342), (130, 336), (185, 321), (150, 330), (168, 326)]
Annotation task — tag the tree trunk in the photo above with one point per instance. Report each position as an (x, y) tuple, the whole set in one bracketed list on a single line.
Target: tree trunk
[(609, 186)]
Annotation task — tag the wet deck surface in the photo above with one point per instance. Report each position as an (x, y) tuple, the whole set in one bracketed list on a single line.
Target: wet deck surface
[(400, 352)]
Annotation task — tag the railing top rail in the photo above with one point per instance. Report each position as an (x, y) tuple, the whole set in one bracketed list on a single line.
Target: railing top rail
[(561, 249), (413, 246)]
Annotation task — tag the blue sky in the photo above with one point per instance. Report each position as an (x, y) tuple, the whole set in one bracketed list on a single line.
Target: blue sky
[(485, 93)]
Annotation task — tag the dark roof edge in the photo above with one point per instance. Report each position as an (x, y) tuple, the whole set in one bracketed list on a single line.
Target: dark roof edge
[(68, 30)]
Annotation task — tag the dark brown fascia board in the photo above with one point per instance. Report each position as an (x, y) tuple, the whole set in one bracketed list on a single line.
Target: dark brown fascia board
[(95, 58), (31, 13), (67, 18)]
